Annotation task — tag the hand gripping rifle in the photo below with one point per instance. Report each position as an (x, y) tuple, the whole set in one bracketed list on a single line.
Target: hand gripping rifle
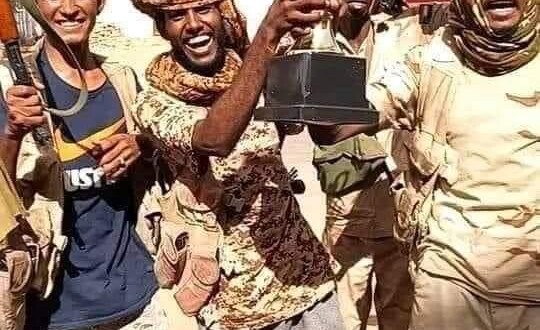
[(9, 36), (27, 253)]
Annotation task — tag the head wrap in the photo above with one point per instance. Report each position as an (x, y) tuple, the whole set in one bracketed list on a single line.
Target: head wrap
[(234, 21), (486, 51), (169, 76)]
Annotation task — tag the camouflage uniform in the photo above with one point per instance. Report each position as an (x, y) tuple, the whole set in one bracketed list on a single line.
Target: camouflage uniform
[(359, 221), (272, 265), (475, 236)]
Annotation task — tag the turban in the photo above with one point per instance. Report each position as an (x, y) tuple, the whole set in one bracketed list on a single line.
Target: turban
[(234, 21)]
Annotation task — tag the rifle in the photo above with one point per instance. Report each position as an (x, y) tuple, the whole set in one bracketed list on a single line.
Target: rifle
[(9, 36)]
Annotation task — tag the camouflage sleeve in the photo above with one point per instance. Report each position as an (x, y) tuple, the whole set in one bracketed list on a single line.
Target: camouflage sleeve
[(395, 94), (169, 120)]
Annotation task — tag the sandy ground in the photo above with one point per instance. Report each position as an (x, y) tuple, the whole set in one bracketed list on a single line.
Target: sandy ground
[(297, 151)]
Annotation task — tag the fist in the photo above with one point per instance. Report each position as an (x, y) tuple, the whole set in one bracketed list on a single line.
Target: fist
[(116, 154), (24, 111), (295, 16)]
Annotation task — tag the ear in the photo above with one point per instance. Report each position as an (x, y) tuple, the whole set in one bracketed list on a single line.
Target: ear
[(159, 20), (101, 5)]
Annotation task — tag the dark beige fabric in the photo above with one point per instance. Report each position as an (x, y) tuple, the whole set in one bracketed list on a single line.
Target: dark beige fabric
[(166, 74), (487, 52)]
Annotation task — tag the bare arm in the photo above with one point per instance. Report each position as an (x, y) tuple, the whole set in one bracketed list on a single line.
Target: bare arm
[(218, 133)]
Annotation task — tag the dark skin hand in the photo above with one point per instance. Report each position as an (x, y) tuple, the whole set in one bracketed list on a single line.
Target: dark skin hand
[(228, 118), (116, 154), (25, 108), (24, 113)]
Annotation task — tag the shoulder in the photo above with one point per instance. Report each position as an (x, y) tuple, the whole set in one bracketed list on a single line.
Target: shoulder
[(426, 23), (114, 69), (153, 105), (438, 52)]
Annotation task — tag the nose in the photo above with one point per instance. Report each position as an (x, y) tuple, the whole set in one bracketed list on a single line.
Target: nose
[(69, 8), (193, 23)]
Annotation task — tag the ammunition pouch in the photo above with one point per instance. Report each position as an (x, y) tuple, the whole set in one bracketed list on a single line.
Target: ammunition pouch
[(413, 206), (16, 274), (187, 255)]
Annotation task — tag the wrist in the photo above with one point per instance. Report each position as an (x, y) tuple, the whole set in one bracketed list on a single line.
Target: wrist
[(12, 135), (268, 38)]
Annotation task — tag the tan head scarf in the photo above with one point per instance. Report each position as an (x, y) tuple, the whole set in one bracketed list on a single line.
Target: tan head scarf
[(484, 50), (167, 75)]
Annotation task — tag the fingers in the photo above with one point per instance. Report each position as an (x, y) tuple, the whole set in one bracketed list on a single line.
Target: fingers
[(24, 110), (107, 144), (19, 123), (304, 5), (119, 166), (122, 169), (298, 18), (112, 154), (21, 91), (23, 96), (118, 153), (299, 32)]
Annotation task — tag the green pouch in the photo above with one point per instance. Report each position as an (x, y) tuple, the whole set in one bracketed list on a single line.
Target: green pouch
[(347, 163)]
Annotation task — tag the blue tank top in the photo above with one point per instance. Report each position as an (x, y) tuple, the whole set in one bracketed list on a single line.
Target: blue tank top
[(107, 272)]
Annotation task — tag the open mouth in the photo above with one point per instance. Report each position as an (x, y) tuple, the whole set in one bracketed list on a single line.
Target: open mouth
[(70, 24), (199, 44), (500, 7)]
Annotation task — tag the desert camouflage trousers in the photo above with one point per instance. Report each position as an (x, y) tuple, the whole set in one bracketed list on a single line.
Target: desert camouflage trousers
[(440, 304), (361, 260)]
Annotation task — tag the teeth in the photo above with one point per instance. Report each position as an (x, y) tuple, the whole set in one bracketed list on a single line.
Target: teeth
[(69, 24), (198, 40)]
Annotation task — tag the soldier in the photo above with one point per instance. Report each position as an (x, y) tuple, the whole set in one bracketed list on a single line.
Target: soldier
[(272, 271), (360, 210), (469, 206), (82, 189)]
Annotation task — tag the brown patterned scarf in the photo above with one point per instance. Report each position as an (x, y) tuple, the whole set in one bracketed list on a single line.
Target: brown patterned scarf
[(485, 51), (166, 74)]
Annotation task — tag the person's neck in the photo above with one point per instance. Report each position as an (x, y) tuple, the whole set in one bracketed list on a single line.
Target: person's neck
[(355, 31), (67, 70)]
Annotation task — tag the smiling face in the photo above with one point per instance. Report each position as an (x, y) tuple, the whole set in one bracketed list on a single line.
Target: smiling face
[(502, 15), (197, 36), (73, 20)]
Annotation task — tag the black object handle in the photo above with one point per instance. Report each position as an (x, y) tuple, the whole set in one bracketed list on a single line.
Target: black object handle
[(13, 52), (41, 134)]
